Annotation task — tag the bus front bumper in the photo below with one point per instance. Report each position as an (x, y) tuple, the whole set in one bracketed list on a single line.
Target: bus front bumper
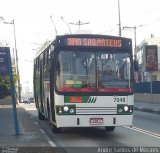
[(93, 120)]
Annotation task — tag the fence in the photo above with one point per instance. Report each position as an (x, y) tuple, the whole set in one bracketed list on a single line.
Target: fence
[(147, 87)]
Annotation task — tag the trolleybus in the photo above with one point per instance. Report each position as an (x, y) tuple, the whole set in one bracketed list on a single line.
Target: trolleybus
[(85, 80)]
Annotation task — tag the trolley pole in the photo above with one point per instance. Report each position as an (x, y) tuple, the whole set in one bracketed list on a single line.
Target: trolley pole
[(66, 24)]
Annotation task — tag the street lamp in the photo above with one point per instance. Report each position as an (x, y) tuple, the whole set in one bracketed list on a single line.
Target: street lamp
[(16, 54), (79, 23)]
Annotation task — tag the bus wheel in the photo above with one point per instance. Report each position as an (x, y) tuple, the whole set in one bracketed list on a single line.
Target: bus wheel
[(55, 129), (40, 116), (109, 128)]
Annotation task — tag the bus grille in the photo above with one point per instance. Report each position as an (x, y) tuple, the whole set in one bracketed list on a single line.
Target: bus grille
[(96, 110)]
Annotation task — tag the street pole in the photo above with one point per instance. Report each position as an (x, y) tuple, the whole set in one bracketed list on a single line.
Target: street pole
[(16, 123), (119, 16), (79, 23), (135, 47), (16, 58), (135, 37), (16, 53), (151, 87)]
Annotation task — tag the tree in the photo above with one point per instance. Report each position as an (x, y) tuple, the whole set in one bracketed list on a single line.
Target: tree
[(5, 87)]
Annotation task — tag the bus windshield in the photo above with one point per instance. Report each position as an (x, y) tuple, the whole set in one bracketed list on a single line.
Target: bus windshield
[(100, 71)]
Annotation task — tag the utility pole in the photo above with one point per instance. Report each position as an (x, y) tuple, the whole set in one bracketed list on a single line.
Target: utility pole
[(135, 47), (19, 85), (135, 37), (119, 16), (79, 23), (16, 58)]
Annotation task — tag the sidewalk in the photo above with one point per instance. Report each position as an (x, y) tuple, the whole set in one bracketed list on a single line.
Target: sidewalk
[(147, 107), (31, 138), (29, 132)]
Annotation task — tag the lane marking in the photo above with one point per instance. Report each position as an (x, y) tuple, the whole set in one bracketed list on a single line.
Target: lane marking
[(42, 131), (52, 144), (36, 123), (156, 135)]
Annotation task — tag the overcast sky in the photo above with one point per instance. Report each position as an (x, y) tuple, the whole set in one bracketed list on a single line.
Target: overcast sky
[(33, 23)]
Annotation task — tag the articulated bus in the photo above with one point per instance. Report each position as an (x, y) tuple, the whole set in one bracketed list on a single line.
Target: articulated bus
[(85, 80)]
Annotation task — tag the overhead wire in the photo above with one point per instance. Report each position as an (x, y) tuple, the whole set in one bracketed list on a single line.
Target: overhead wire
[(109, 30)]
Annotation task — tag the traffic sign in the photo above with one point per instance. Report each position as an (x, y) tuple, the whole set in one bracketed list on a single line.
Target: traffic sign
[(6, 69), (3, 61)]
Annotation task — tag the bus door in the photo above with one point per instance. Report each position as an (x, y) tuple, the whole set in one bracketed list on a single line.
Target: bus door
[(41, 86), (52, 86)]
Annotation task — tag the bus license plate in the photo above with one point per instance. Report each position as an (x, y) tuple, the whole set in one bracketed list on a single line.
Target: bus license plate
[(96, 121)]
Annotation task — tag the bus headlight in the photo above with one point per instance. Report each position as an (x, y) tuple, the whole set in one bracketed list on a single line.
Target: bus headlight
[(71, 110), (60, 110), (120, 110), (124, 109), (66, 110)]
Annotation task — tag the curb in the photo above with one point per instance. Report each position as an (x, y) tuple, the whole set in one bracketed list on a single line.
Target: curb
[(145, 109)]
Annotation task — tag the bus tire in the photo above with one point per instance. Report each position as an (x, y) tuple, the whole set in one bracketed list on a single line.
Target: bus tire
[(55, 129), (109, 128), (40, 116)]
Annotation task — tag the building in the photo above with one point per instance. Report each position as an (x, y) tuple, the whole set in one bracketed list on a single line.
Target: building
[(149, 49)]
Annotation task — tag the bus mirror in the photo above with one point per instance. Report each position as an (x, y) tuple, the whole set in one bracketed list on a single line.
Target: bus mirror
[(136, 65)]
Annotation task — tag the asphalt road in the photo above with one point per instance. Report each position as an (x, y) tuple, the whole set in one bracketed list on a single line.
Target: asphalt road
[(147, 121), (144, 133)]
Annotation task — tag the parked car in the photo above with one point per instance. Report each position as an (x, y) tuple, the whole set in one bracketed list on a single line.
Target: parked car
[(26, 101), (31, 100)]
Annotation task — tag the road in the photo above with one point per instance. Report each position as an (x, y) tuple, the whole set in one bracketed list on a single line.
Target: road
[(144, 133)]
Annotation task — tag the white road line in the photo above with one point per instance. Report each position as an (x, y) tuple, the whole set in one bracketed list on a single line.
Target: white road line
[(52, 144), (144, 131), (36, 123), (42, 131)]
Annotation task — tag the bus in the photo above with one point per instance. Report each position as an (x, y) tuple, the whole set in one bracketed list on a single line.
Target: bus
[(85, 80)]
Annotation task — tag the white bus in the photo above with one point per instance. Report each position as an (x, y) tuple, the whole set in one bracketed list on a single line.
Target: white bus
[(85, 80)]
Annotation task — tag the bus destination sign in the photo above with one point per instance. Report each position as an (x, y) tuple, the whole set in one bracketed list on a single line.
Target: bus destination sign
[(99, 42)]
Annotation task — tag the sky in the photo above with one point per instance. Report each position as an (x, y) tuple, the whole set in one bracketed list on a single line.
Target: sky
[(33, 24)]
